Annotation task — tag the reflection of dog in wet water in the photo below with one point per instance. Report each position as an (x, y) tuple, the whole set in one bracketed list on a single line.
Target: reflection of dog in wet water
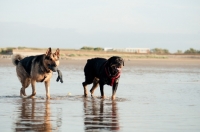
[(32, 118), (101, 116), (102, 71), (37, 68)]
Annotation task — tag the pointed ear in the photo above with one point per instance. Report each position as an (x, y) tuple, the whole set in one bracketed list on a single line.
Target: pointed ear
[(48, 52), (57, 53), (122, 60)]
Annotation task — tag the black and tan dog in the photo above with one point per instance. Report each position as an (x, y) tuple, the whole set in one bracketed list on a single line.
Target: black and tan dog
[(102, 71), (34, 69)]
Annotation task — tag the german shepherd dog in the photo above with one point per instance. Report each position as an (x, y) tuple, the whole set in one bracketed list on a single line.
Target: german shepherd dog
[(102, 71), (34, 69)]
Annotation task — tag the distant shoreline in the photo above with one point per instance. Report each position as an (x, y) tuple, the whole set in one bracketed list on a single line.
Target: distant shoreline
[(133, 57), (85, 54)]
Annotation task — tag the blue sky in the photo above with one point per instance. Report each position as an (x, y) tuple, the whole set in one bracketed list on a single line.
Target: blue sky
[(167, 24)]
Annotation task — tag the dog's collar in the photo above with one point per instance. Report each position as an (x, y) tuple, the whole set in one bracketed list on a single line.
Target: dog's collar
[(113, 78), (44, 69)]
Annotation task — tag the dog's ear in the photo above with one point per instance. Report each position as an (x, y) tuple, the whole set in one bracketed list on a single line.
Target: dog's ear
[(122, 61), (57, 53), (48, 52)]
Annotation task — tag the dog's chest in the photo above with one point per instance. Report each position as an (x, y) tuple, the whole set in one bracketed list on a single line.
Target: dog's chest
[(106, 80), (42, 77), (110, 80)]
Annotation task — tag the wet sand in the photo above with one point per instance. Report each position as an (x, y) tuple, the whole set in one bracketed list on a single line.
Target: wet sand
[(153, 95)]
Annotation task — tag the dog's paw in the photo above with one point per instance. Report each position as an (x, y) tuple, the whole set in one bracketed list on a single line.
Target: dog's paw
[(92, 96), (33, 97), (103, 97), (84, 96), (33, 94), (113, 97), (47, 96)]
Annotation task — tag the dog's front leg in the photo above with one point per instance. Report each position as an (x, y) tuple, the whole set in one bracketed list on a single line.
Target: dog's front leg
[(102, 90), (33, 87), (47, 89), (114, 89), (85, 88)]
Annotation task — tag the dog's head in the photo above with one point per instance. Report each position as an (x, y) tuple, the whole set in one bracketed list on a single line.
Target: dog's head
[(52, 59), (115, 64)]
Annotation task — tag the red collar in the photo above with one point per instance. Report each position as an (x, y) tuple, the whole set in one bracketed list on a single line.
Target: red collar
[(112, 78)]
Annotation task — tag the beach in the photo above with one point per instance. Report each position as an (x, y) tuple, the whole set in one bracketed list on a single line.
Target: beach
[(153, 95)]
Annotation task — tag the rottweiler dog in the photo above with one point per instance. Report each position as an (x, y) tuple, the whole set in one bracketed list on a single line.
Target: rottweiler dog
[(101, 71), (37, 68)]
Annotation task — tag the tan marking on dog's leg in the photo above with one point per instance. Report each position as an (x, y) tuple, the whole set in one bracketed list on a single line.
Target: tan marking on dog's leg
[(33, 87), (22, 90), (113, 97), (47, 89), (26, 84), (103, 97), (85, 91), (95, 85), (22, 95)]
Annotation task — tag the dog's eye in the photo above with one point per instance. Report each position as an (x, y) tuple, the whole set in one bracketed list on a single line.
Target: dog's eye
[(50, 59)]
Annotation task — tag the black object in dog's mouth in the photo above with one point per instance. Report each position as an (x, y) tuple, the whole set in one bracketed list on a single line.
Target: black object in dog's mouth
[(53, 68)]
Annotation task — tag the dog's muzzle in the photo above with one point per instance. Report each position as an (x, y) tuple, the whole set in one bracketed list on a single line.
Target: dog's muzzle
[(53, 68), (119, 69)]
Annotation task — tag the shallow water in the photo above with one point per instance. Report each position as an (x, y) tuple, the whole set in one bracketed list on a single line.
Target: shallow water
[(152, 96)]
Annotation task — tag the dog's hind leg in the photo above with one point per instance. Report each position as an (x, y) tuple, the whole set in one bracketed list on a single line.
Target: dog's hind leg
[(87, 81), (26, 82), (24, 79), (33, 87), (95, 85)]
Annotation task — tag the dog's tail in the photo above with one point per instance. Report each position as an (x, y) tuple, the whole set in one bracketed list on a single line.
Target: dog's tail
[(16, 58)]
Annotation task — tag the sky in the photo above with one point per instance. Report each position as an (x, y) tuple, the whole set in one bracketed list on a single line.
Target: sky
[(72, 24)]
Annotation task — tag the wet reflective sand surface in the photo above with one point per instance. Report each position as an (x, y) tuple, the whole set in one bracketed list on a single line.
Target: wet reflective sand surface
[(152, 95)]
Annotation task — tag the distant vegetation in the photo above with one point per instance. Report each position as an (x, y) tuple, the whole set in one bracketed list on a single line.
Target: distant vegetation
[(92, 49), (6, 50), (28, 48), (160, 51), (165, 51), (192, 51)]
